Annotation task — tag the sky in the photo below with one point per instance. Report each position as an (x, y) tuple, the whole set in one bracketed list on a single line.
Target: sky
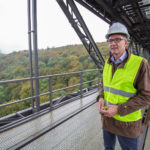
[(54, 30)]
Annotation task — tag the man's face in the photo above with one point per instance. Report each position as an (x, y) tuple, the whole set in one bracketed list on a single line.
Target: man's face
[(117, 44)]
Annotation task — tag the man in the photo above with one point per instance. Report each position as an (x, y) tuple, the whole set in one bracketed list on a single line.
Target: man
[(125, 90)]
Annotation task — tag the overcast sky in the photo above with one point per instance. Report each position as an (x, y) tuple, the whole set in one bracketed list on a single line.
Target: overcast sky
[(53, 27)]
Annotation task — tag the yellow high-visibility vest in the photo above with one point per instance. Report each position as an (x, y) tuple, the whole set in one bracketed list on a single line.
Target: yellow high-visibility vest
[(119, 88)]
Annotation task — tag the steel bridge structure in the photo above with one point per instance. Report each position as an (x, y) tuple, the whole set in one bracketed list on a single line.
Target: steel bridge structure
[(135, 14)]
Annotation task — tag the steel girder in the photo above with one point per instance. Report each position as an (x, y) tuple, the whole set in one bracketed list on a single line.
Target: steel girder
[(134, 14), (71, 11)]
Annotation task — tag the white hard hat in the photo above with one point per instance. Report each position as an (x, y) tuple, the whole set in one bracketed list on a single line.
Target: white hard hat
[(117, 28)]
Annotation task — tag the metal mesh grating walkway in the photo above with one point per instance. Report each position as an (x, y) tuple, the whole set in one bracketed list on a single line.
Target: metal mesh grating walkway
[(81, 132)]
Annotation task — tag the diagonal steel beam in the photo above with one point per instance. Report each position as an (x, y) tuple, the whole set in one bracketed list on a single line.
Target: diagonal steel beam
[(93, 10), (114, 14), (77, 22)]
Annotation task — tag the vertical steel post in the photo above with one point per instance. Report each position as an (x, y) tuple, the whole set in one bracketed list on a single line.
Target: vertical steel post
[(132, 47), (81, 85), (140, 52), (50, 90), (136, 46), (144, 52), (35, 47), (30, 51), (129, 46)]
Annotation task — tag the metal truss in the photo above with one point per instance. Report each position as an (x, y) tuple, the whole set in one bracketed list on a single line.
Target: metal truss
[(134, 14), (134, 47), (72, 13), (137, 49)]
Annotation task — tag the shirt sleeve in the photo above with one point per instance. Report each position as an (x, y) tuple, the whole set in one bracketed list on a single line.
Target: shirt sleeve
[(142, 98)]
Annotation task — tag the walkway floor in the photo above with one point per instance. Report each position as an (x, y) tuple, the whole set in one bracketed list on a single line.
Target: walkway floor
[(22, 132), (81, 132)]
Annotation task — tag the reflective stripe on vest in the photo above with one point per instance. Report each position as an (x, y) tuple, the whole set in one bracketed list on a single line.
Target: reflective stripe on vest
[(107, 103), (119, 88), (118, 92)]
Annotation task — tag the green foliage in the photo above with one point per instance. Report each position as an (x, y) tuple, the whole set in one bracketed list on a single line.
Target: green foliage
[(2, 95), (14, 108), (60, 93), (71, 58)]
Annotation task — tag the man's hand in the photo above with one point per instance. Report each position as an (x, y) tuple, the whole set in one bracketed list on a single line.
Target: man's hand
[(109, 111)]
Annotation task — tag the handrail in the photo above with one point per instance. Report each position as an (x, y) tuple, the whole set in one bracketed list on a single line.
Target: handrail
[(50, 89), (42, 77)]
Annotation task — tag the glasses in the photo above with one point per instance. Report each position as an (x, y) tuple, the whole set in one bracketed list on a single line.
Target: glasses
[(117, 40)]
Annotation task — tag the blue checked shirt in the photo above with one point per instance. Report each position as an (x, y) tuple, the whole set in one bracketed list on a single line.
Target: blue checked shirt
[(121, 59)]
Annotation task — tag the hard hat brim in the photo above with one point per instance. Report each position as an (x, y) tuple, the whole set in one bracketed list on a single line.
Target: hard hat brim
[(118, 33)]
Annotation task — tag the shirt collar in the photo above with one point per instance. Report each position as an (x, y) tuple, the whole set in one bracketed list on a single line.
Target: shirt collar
[(121, 59)]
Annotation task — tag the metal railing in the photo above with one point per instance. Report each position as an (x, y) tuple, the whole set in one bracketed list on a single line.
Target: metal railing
[(36, 108)]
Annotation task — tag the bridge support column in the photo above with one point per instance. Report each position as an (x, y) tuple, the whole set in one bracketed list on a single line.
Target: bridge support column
[(32, 23), (30, 52)]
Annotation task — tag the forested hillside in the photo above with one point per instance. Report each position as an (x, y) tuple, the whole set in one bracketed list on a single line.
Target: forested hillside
[(65, 59)]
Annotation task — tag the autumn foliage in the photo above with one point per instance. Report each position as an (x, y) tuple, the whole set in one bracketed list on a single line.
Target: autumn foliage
[(71, 58)]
